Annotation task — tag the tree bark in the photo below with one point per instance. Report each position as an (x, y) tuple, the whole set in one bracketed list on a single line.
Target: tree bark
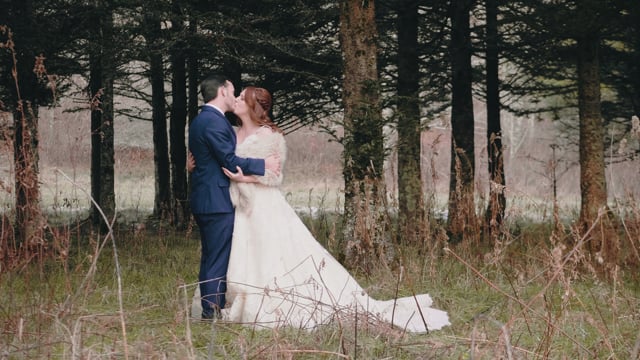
[(29, 225), (102, 129), (192, 95), (363, 143), (95, 93), (192, 71), (412, 220), (634, 76), (462, 223), (178, 120), (162, 198), (593, 186), (497, 199)]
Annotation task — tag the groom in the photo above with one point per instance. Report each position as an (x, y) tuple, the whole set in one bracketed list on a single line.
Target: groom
[(212, 141)]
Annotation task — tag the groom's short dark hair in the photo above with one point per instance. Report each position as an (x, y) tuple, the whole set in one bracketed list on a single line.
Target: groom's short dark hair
[(210, 85)]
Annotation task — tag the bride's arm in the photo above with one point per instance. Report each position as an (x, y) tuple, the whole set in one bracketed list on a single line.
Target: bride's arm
[(274, 144), (277, 145)]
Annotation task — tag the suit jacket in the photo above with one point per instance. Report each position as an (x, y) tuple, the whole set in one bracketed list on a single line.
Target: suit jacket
[(212, 141)]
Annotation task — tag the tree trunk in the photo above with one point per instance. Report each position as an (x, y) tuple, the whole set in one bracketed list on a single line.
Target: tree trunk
[(29, 222), (192, 96), (192, 72), (462, 223), (413, 225), (363, 143), (178, 120), (102, 144), (497, 199), (634, 76), (593, 187), (95, 93), (162, 198)]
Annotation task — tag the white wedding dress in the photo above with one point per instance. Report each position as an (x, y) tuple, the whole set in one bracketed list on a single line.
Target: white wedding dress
[(280, 275)]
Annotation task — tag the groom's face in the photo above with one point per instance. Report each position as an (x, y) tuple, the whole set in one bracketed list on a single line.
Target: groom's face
[(229, 95), (240, 105)]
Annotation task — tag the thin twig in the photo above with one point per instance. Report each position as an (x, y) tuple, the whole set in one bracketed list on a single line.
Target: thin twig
[(187, 321), (424, 321), (635, 354), (527, 306), (395, 297), (116, 261), (299, 351), (505, 334), (355, 335)]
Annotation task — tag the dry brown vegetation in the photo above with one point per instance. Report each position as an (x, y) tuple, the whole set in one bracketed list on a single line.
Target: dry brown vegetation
[(529, 295)]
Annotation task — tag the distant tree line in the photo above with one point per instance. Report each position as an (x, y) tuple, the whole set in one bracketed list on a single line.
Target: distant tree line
[(344, 60)]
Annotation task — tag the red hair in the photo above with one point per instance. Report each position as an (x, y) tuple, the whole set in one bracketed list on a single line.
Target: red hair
[(259, 103)]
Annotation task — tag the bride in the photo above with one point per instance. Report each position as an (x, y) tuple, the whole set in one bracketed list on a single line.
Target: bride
[(278, 273)]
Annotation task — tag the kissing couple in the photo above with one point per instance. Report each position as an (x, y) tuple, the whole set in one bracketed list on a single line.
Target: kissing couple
[(260, 265)]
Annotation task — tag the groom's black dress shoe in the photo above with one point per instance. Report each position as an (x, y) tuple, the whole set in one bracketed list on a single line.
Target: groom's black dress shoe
[(214, 314)]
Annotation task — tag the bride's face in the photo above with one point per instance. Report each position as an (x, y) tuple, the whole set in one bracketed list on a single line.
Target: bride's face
[(241, 107)]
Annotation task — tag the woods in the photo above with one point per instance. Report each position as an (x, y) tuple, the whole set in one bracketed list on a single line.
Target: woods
[(178, 42), (428, 103)]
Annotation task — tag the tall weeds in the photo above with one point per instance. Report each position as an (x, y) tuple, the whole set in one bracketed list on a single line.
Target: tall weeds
[(26, 241)]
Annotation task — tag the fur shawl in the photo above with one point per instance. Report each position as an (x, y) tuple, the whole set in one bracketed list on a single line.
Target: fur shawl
[(258, 145)]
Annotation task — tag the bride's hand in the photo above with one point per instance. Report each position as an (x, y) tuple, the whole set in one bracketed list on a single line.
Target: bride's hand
[(233, 176), (239, 176)]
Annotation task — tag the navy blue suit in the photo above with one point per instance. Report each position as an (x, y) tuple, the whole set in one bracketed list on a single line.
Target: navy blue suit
[(212, 141)]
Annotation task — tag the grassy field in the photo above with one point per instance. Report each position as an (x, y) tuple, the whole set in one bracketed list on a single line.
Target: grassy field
[(129, 297), (528, 296)]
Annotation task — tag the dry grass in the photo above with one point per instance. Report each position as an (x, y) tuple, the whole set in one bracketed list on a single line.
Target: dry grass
[(525, 298), (529, 295)]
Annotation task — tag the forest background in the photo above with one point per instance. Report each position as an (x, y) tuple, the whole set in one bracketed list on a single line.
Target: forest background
[(507, 135)]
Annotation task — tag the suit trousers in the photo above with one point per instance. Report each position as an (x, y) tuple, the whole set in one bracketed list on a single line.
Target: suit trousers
[(216, 231)]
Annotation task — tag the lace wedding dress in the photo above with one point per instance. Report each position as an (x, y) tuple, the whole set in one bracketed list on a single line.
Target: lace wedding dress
[(280, 275)]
